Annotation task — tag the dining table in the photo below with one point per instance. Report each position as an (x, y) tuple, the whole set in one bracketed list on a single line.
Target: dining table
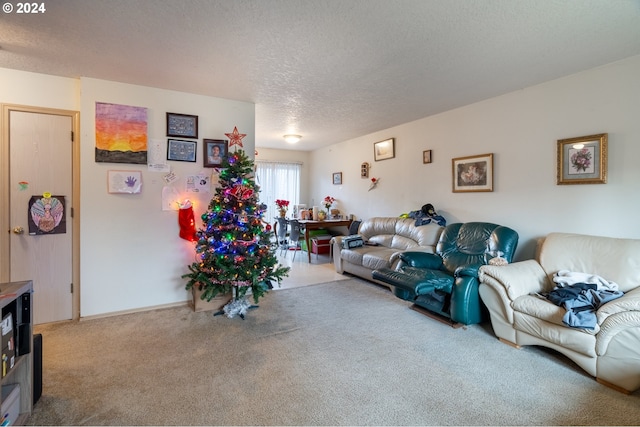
[(309, 225)]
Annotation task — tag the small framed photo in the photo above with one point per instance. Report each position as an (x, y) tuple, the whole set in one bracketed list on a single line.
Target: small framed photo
[(426, 156), (181, 151), (582, 160), (384, 150), (364, 170), (124, 182), (182, 125), (337, 178), (215, 151), (473, 173)]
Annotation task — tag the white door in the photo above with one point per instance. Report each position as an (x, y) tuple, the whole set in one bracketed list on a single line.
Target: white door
[(41, 234)]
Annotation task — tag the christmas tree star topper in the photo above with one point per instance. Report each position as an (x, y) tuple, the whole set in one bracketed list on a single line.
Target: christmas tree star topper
[(235, 137)]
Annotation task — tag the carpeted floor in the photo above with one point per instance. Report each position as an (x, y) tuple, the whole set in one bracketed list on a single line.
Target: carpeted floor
[(338, 353)]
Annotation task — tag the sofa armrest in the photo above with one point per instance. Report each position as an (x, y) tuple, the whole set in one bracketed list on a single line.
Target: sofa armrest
[(421, 260), (623, 327), (628, 302), (336, 241), (469, 270), (516, 279)]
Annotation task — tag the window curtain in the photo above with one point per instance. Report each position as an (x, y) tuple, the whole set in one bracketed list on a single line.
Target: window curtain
[(278, 180)]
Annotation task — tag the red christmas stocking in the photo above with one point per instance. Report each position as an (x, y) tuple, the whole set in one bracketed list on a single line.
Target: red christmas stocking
[(187, 223)]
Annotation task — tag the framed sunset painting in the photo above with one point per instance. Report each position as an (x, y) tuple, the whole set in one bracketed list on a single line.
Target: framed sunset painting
[(121, 134)]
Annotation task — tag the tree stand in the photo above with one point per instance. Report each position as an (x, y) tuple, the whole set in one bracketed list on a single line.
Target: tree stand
[(236, 307)]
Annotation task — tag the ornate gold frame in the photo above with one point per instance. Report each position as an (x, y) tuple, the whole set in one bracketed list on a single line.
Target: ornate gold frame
[(479, 167), (582, 160)]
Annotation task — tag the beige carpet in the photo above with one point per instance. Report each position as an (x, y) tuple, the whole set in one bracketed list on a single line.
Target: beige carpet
[(339, 353)]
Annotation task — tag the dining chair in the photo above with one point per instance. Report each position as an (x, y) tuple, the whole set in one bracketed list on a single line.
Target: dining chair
[(294, 236), (282, 225)]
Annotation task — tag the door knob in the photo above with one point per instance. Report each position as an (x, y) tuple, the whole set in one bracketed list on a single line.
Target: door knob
[(18, 230)]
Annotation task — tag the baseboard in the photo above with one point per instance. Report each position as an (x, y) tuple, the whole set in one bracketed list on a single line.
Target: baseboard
[(136, 310)]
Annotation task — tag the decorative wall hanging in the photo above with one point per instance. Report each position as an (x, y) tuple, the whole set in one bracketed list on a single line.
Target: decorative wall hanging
[(215, 151), (374, 183), (182, 151), (235, 137), (182, 125), (198, 184), (384, 150), (47, 215), (473, 173), (582, 160), (121, 134), (127, 182), (426, 156), (187, 222), (337, 178), (364, 170)]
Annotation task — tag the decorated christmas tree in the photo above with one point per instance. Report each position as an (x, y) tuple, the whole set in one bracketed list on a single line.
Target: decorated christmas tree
[(234, 248)]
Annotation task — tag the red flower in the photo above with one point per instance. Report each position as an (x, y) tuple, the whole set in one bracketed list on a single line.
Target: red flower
[(282, 204)]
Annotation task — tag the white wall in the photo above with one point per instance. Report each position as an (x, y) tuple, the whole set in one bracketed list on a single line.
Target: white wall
[(521, 129), (132, 256), (39, 90)]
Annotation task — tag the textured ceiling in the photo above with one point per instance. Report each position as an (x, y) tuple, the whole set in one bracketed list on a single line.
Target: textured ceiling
[(329, 70)]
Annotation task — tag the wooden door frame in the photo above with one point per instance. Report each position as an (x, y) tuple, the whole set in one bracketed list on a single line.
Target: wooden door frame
[(5, 217)]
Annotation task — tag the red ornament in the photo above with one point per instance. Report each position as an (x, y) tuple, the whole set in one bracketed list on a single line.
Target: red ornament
[(235, 137), (241, 192)]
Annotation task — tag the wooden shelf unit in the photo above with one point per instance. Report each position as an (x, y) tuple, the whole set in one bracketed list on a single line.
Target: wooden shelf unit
[(22, 371)]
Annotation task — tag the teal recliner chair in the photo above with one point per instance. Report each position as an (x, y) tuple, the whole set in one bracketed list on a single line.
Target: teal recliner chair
[(446, 283)]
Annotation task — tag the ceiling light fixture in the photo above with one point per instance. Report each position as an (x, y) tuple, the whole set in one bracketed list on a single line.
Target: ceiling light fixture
[(292, 139)]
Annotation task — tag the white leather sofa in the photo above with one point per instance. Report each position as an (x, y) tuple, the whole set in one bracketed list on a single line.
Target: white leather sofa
[(611, 351), (391, 236)]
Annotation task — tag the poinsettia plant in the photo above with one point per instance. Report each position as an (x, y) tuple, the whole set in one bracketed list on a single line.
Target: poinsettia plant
[(282, 204)]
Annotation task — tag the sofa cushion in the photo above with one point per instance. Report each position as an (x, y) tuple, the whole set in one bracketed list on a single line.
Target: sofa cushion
[(378, 259), (399, 233), (541, 308), (606, 257)]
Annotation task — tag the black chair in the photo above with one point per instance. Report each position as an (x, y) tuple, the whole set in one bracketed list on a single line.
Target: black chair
[(354, 227)]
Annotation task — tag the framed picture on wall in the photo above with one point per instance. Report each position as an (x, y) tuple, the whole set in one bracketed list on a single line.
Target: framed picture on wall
[(182, 151), (473, 173), (582, 160), (337, 178), (215, 151), (426, 156), (384, 150), (182, 125)]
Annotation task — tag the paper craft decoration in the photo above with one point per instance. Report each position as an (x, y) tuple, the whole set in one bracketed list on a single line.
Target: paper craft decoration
[(47, 215)]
